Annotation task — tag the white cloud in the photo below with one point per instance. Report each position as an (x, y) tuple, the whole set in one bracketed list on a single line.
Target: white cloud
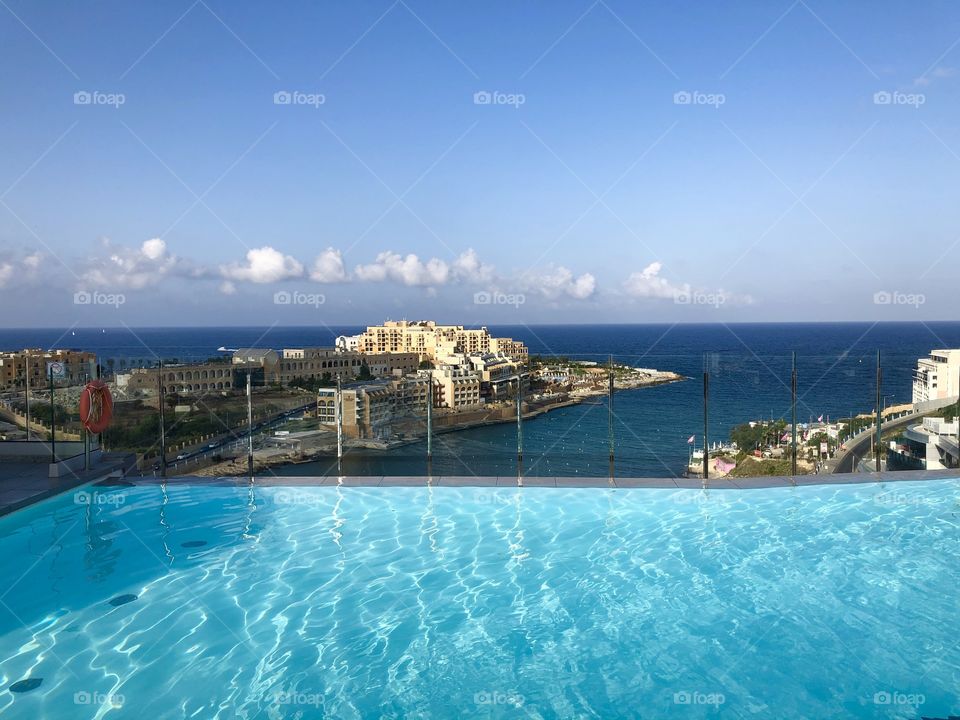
[(32, 262), (556, 282), (409, 270), (20, 268), (132, 267), (328, 267), (648, 284), (468, 267), (263, 265), (938, 73), (228, 288)]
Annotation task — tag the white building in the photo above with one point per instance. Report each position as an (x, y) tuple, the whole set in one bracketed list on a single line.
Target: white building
[(937, 377), (931, 445)]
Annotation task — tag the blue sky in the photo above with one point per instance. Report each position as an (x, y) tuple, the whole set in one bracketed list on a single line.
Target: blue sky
[(501, 162)]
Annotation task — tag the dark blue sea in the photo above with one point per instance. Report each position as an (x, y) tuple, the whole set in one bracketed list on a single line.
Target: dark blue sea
[(749, 366)]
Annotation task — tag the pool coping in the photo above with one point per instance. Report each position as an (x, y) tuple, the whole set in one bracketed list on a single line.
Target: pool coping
[(501, 481)]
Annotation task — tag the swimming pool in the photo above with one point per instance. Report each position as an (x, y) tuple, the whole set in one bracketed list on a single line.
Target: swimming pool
[(281, 602)]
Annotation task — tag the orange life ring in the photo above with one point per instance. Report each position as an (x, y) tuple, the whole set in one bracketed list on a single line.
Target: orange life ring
[(96, 406)]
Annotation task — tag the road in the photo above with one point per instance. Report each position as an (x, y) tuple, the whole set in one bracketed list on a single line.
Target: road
[(859, 447), (237, 437)]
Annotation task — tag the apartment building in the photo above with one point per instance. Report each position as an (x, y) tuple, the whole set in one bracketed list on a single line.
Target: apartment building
[(456, 387), (79, 367), (315, 363), (431, 341), (367, 409), (937, 377), (498, 374)]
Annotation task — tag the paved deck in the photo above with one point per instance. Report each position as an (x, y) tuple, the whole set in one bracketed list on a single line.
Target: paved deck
[(550, 482), (22, 484)]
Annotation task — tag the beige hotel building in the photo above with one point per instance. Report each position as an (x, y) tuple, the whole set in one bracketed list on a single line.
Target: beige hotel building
[(432, 341)]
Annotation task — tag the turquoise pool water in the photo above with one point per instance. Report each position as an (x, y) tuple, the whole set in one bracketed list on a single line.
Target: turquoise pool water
[(303, 602)]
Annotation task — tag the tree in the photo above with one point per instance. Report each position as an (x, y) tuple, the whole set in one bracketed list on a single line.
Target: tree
[(365, 373), (426, 365), (748, 437)]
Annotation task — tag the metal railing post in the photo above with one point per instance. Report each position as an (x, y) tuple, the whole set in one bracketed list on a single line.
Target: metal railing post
[(53, 423), (338, 409), (879, 444), (249, 424), (163, 429), (27, 391), (610, 414), (430, 420), (706, 424), (793, 414), (520, 424)]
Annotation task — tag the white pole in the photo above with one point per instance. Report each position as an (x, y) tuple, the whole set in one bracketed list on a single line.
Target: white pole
[(249, 426), (338, 409), (28, 394)]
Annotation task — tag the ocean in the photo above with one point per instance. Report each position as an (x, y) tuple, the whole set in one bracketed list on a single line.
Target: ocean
[(749, 366)]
